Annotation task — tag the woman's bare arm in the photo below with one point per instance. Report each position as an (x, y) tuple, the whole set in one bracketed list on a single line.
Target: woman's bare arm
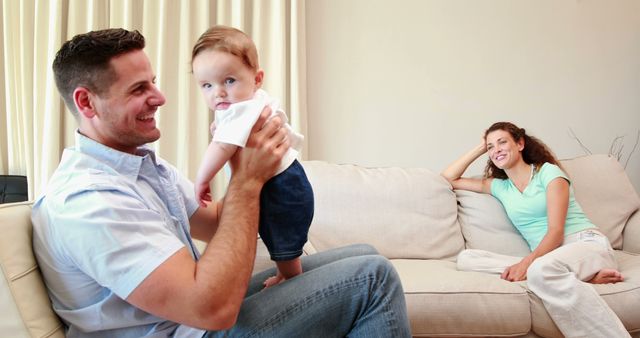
[(455, 170)]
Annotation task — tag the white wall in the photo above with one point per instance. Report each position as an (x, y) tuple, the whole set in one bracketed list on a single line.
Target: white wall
[(416, 83)]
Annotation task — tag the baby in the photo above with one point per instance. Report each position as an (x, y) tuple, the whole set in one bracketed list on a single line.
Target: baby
[(225, 66)]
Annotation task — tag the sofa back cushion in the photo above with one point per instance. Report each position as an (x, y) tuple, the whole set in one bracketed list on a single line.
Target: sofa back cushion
[(25, 309), (631, 234), (485, 225), (403, 212), (604, 192)]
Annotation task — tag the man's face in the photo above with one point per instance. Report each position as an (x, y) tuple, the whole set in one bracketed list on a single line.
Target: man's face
[(125, 114)]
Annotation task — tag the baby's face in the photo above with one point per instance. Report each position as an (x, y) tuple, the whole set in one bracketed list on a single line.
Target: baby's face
[(224, 79)]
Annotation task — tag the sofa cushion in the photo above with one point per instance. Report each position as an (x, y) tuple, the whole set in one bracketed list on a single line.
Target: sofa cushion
[(623, 298), (485, 225), (604, 192), (444, 302), (404, 213), (25, 309)]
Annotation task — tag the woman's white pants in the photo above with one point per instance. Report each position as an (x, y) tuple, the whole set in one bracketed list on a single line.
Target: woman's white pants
[(557, 278)]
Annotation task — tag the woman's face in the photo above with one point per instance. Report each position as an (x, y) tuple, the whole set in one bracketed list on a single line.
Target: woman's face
[(503, 150)]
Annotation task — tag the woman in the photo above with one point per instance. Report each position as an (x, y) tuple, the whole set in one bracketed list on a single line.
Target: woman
[(566, 248)]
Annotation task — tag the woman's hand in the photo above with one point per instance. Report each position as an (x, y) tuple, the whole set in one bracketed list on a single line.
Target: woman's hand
[(482, 147), (453, 173), (518, 271)]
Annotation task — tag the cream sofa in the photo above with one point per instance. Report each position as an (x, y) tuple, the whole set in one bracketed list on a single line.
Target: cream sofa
[(414, 218)]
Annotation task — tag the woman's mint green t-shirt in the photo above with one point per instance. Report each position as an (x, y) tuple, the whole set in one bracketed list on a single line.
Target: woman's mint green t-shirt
[(528, 210)]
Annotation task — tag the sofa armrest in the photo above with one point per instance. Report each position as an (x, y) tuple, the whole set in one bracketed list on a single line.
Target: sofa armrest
[(25, 308), (631, 234)]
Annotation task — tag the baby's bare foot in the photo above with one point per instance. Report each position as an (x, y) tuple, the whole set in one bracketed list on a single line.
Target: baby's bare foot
[(606, 276), (271, 281)]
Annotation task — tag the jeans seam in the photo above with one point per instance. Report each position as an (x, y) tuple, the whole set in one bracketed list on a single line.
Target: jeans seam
[(391, 318)]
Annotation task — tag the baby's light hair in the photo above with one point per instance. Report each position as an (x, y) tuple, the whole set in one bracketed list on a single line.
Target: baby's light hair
[(230, 40)]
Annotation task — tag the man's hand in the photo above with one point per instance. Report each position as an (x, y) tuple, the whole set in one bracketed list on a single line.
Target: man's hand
[(264, 150), (517, 272)]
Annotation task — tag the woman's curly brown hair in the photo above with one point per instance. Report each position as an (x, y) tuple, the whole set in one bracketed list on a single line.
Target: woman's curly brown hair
[(534, 151)]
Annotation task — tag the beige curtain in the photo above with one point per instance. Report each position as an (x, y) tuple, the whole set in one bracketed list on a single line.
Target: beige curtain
[(34, 124)]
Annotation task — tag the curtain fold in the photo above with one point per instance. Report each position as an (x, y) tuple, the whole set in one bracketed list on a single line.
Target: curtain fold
[(34, 123)]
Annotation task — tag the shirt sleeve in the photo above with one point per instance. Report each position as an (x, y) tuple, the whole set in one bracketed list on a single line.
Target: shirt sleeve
[(113, 237), (234, 125), (548, 172), (498, 188)]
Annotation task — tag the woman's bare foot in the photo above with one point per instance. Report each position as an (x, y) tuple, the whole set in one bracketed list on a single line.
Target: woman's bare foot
[(606, 276)]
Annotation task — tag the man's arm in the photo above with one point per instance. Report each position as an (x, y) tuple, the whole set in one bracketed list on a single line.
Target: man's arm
[(204, 221), (208, 293)]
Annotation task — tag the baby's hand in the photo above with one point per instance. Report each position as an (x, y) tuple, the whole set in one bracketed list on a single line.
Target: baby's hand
[(203, 193)]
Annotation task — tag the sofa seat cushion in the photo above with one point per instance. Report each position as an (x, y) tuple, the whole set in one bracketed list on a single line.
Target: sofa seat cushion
[(623, 298), (445, 302), (402, 212)]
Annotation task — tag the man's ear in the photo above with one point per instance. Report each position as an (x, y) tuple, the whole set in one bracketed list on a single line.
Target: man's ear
[(259, 77), (83, 98)]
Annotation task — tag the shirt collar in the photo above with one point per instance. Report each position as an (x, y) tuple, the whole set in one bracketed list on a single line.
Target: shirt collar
[(122, 162)]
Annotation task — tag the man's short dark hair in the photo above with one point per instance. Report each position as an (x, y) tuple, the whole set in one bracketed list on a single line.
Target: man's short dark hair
[(84, 60)]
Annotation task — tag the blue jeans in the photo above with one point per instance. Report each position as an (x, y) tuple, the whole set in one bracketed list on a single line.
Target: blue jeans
[(350, 291)]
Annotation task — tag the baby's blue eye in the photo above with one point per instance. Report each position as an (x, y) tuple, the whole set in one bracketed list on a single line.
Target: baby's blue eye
[(206, 85), (229, 81)]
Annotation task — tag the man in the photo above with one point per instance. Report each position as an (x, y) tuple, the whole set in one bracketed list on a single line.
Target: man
[(113, 230)]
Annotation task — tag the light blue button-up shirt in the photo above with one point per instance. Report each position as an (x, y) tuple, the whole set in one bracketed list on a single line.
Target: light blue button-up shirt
[(106, 220)]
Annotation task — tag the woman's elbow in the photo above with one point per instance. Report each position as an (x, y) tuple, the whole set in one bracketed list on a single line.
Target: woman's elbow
[(447, 177)]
